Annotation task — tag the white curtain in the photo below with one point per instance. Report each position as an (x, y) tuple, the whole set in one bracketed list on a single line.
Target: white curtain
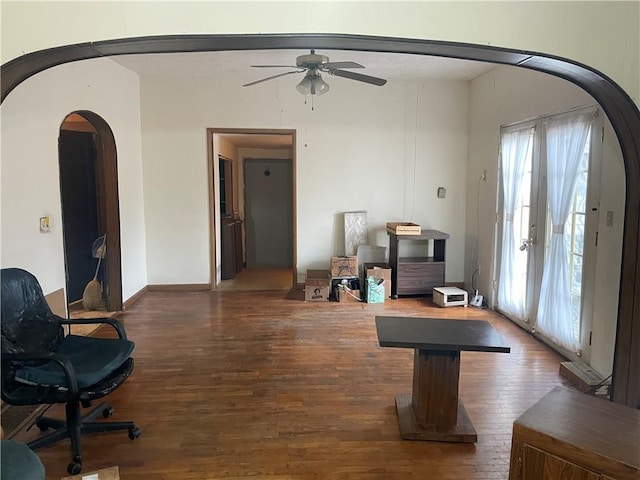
[(512, 286), (566, 140)]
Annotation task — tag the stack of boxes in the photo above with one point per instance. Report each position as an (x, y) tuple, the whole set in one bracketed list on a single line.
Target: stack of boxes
[(343, 282)]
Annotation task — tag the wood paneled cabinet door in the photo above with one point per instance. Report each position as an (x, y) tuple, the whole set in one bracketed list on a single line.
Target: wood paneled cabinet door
[(540, 465)]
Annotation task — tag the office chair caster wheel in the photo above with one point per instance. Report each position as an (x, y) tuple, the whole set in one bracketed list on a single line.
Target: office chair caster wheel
[(107, 412), (134, 433), (74, 468), (41, 426)]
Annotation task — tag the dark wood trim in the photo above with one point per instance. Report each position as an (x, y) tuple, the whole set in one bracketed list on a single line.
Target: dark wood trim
[(109, 209), (135, 297), (179, 287), (616, 103)]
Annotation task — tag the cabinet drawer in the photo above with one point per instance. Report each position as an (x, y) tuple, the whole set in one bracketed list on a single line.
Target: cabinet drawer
[(419, 278)]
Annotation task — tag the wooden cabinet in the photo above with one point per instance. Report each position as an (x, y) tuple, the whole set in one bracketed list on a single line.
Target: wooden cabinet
[(570, 435), (417, 274), (231, 244)]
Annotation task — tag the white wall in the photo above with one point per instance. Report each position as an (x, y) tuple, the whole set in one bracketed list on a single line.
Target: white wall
[(507, 95), (31, 117), (358, 150), (600, 34)]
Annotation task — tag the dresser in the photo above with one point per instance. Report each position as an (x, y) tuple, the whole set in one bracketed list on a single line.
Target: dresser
[(419, 272), (574, 436)]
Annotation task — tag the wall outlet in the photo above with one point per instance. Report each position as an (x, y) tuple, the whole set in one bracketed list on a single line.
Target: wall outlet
[(476, 301)]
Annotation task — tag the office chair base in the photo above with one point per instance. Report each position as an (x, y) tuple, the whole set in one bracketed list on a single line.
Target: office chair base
[(77, 425)]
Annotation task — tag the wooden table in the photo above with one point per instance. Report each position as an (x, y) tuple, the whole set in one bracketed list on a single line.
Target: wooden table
[(433, 411)]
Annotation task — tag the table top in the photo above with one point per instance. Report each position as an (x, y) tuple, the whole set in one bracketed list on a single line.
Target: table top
[(439, 334)]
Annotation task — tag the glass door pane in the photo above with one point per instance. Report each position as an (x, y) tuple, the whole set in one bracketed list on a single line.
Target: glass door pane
[(575, 230)]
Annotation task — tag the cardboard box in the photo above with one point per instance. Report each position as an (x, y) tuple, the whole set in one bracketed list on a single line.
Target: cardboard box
[(379, 270), (449, 297), (404, 228), (375, 290), (344, 266), (111, 473), (317, 286), (346, 294)]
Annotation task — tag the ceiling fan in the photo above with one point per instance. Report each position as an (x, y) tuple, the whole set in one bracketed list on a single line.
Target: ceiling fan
[(313, 64)]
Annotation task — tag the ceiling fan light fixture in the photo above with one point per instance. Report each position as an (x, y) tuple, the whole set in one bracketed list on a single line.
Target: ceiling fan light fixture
[(304, 87), (312, 84), (319, 86)]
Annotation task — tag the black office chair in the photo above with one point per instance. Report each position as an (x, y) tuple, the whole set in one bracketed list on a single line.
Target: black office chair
[(40, 365)]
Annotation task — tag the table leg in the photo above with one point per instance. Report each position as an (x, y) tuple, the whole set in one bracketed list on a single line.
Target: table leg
[(433, 411)]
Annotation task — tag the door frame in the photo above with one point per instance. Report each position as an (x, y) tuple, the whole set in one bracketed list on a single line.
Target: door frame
[(214, 196), (108, 204)]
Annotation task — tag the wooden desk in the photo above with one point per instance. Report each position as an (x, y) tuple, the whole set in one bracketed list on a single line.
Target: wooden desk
[(433, 411)]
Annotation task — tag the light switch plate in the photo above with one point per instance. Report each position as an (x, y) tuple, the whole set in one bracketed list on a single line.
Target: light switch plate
[(45, 224), (442, 192)]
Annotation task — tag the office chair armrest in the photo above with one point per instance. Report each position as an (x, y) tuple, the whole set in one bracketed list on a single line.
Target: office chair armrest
[(89, 321), (61, 360)]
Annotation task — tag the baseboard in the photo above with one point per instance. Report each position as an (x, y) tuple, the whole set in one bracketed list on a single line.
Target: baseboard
[(180, 287), (135, 297)]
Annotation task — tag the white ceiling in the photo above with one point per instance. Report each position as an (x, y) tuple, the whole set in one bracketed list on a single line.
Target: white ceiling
[(391, 66)]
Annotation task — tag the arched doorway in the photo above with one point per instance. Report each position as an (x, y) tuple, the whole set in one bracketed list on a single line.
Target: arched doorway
[(616, 103), (90, 208)]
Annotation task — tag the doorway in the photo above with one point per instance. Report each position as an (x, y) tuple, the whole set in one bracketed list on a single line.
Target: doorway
[(89, 202), (252, 193)]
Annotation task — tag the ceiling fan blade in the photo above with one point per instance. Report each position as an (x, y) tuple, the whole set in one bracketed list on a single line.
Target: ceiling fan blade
[(271, 77), (274, 66), (359, 77), (332, 65)]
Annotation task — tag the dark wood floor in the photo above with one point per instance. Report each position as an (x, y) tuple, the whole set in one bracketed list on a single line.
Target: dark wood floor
[(258, 384)]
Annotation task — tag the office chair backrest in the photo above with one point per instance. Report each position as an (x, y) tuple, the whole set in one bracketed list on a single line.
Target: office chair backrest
[(28, 325)]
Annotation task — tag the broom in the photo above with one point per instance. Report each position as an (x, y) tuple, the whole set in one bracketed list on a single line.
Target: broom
[(92, 295)]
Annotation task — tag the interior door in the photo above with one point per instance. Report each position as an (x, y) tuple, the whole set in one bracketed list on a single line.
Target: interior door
[(268, 213)]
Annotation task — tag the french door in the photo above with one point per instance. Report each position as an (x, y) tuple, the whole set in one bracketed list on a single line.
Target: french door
[(546, 225)]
